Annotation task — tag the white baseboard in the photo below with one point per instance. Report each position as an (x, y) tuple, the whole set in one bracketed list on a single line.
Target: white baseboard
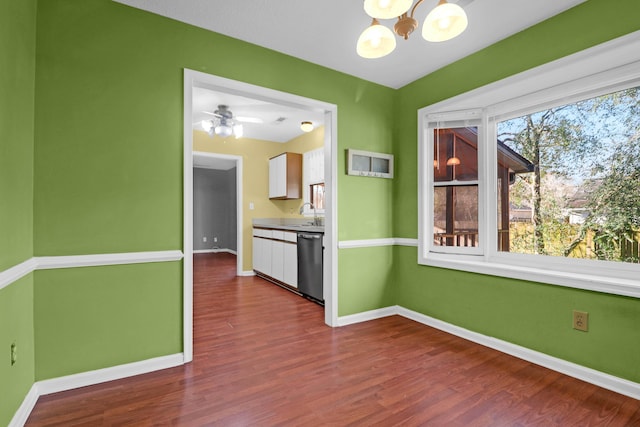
[(84, 379), (601, 379), (247, 273), (367, 315), (22, 414), (214, 251), (98, 376)]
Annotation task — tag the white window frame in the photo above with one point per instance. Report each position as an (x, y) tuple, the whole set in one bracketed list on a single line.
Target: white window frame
[(451, 120), (307, 182), (603, 69)]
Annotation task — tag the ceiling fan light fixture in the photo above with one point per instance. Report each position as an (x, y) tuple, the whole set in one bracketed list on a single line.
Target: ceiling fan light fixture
[(376, 41), (223, 130), (444, 22), (386, 9), (207, 125), (238, 131), (306, 126)]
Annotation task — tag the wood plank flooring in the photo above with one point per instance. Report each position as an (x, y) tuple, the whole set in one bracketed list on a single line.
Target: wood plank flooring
[(263, 357)]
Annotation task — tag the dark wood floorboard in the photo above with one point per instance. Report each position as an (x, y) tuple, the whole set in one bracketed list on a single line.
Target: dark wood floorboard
[(264, 357)]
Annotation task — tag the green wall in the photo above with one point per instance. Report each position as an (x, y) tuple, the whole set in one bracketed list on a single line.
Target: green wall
[(108, 171), (17, 67), (101, 172), (97, 317), (533, 315)]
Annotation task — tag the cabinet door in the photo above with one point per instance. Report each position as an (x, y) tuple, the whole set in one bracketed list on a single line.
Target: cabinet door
[(278, 176), (266, 256), (257, 254), (277, 260), (291, 264)]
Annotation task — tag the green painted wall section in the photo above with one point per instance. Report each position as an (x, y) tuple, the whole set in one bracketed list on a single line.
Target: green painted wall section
[(371, 269), (108, 166), (96, 317), (17, 88), (534, 315), (108, 154), (529, 314), (17, 68), (16, 326)]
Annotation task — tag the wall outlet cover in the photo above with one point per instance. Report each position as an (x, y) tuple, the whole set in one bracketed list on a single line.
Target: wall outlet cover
[(581, 320)]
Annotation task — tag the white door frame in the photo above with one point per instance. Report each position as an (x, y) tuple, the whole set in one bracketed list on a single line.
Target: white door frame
[(239, 202), (198, 79)]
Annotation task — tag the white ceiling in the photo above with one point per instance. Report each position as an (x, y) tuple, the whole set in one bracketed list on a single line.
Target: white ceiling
[(279, 123), (324, 32)]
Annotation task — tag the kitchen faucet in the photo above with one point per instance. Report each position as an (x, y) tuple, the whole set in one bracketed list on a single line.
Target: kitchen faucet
[(316, 220)]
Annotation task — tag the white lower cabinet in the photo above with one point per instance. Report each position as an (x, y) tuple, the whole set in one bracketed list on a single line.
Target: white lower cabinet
[(291, 264), (277, 260), (275, 254)]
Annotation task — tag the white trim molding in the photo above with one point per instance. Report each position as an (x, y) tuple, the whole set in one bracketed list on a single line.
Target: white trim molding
[(83, 379), (22, 414), (601, 379), (72, 261), (370, 243), (592, 376), (17, 272), (365, 316), (98, 376)]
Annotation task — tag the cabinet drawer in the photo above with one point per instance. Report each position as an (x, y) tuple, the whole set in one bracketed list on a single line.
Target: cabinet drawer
[(290, 236), (277, 234), (259, 232)]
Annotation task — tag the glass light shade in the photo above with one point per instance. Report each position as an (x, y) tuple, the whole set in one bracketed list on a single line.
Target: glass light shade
[(386, 9), (376, 41), (207, 125), (444, 22), (306, 126), (223, 130), (453, 161), (238, 131)]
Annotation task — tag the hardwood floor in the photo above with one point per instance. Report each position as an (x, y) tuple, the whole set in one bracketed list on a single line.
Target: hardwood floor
[(263, 356)]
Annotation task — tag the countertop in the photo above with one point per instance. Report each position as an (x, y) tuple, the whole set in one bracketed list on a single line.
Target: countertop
[(290, 224)]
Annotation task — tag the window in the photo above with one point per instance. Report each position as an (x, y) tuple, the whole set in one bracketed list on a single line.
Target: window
[(317, 195), (313, 181), (455, 187), (541, 179), (570, 182)]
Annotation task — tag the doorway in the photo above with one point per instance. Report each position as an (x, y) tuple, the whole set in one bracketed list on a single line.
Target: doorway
[(193, 80), (221, 229)]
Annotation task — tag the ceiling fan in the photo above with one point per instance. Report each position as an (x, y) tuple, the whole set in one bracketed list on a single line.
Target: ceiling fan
[(224, 124)]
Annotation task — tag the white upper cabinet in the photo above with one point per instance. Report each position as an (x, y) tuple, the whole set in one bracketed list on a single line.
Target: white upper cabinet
[(285, 176)]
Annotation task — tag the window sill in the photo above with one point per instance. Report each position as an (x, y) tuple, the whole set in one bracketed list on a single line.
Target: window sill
[(590, 282)]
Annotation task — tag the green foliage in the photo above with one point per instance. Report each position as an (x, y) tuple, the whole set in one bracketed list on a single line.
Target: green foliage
[(592, 147)]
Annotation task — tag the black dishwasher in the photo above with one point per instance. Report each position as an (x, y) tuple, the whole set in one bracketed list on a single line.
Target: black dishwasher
[(310, 251)]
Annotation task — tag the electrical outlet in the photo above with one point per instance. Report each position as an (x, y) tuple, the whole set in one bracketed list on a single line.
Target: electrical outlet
[(215, 240), (14, 354), (580, 320), (204, 239)]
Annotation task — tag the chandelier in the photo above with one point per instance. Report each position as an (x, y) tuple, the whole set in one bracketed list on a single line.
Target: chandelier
[(444, 22)]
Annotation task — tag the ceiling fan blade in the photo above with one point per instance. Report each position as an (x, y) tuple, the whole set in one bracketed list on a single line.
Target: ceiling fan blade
[(212, 114)]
